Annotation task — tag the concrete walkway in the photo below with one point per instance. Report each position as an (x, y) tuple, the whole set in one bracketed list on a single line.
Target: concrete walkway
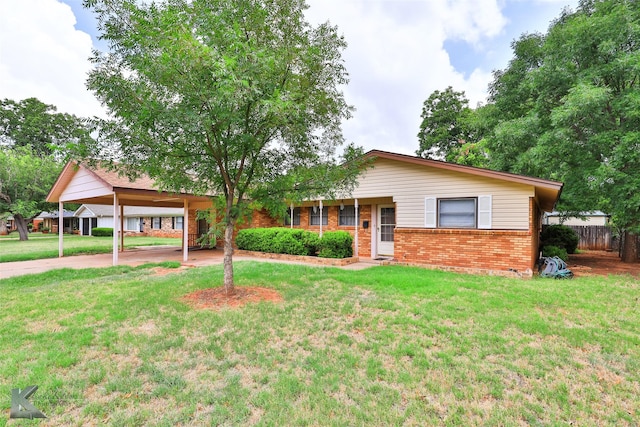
[(134, 257)]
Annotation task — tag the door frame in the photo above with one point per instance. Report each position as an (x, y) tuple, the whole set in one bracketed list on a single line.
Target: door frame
[(385, 248)]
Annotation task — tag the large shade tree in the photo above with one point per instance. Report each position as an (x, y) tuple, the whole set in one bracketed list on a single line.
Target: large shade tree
[(572, 103), (34, 138), (567, 107), (238, 98)]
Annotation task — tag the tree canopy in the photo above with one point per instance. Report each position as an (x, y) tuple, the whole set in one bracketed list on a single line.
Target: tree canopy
[(31, 122), (25, 181), (33, 137), (567, 107), (238, 98)]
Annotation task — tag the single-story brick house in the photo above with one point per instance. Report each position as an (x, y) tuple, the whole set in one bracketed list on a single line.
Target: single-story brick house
[(405, 208), (138, 220)]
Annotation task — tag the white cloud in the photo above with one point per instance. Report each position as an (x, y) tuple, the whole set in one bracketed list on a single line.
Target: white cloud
[(396, 59), (42, 55)]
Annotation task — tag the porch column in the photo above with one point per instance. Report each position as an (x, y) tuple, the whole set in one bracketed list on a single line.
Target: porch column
[(121, 228), (185, 232), (291, 215), (116, 221), (357, 224), (60, 229), (320, 218)]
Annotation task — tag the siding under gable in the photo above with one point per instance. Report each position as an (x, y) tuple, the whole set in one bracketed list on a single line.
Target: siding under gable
[(84, 185), (409, 184)]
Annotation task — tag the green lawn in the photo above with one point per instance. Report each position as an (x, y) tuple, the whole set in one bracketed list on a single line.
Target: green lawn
[(41, 246), (383, 346)]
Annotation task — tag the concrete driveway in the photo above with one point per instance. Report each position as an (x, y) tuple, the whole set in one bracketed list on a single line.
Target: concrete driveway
[(132, 257)]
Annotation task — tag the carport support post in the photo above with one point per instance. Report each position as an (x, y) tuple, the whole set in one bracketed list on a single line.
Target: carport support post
[(121, 228), (357, 223), (116, 211), (185, 232), (60, 228)]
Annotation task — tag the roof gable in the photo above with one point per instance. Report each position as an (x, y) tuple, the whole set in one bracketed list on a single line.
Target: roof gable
[(546, 191)]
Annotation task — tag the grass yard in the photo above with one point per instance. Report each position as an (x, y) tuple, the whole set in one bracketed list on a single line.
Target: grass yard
[(41, 246), (387, 345)]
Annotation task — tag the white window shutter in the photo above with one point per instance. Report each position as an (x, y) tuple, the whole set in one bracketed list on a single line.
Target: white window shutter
[(430, 212), (484, 212)]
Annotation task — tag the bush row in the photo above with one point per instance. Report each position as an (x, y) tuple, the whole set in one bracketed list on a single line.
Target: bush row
[(333, 244), (102, 232)]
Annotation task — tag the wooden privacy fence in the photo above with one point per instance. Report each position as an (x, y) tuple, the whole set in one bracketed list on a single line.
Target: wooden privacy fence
[(594, 237)]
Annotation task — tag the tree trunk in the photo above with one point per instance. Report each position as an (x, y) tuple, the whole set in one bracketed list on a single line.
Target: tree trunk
[(229, 287), (21, 225), (630, 247), (3, 228)]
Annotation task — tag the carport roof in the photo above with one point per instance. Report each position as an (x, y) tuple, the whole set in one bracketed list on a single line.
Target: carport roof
[(78, 183)]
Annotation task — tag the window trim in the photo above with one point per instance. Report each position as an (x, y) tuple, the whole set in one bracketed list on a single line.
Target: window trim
[(296, 217), (483, 212), (355, 216), (153, 223), (324, 219), (174, 222), (457, 199)]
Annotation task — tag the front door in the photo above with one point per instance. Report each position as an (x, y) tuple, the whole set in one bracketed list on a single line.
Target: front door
[(387, 224)]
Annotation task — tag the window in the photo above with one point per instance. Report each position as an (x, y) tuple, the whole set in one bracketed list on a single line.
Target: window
[(296, 216), (314, 217), (156, 223), (177, 222), (132, 224), (457, 213), (468, 212), (347, 216)]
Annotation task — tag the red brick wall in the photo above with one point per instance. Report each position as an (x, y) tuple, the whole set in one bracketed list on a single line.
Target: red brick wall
[(166, 229), (481, 250)]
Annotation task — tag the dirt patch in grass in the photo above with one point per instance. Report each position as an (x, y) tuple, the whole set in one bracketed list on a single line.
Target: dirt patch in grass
[(601, 263), (217, 298)]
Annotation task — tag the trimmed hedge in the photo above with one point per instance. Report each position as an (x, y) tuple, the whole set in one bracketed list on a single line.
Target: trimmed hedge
[(336, 244), (278, 241), (560, 236), (102, 232), (333, 244)]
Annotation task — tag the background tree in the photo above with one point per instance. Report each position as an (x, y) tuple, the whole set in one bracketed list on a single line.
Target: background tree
[(32, 136), (25, 181), (443, 129), (33, 123), (572, 102), (237, 97), (452, 131)]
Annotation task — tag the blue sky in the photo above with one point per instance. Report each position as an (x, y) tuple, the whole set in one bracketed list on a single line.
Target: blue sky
[(399, 52)]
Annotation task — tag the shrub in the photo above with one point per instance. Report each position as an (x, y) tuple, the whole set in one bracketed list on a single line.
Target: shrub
[(561, 236), (336, 244), (278, 240), (102, 232), (551, 251)]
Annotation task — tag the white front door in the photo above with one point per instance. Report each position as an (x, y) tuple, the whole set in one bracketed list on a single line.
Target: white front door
[(386, 226)]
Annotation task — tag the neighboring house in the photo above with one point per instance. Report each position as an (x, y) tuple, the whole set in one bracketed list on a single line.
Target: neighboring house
[(138, 220), (586, 218), (50, 220), (407, 209)]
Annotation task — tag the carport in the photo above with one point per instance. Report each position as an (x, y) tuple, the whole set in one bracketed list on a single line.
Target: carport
[(79, 183)]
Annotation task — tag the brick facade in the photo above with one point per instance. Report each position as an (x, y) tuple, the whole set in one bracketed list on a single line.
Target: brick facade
[(500, 252), (166, 228)]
